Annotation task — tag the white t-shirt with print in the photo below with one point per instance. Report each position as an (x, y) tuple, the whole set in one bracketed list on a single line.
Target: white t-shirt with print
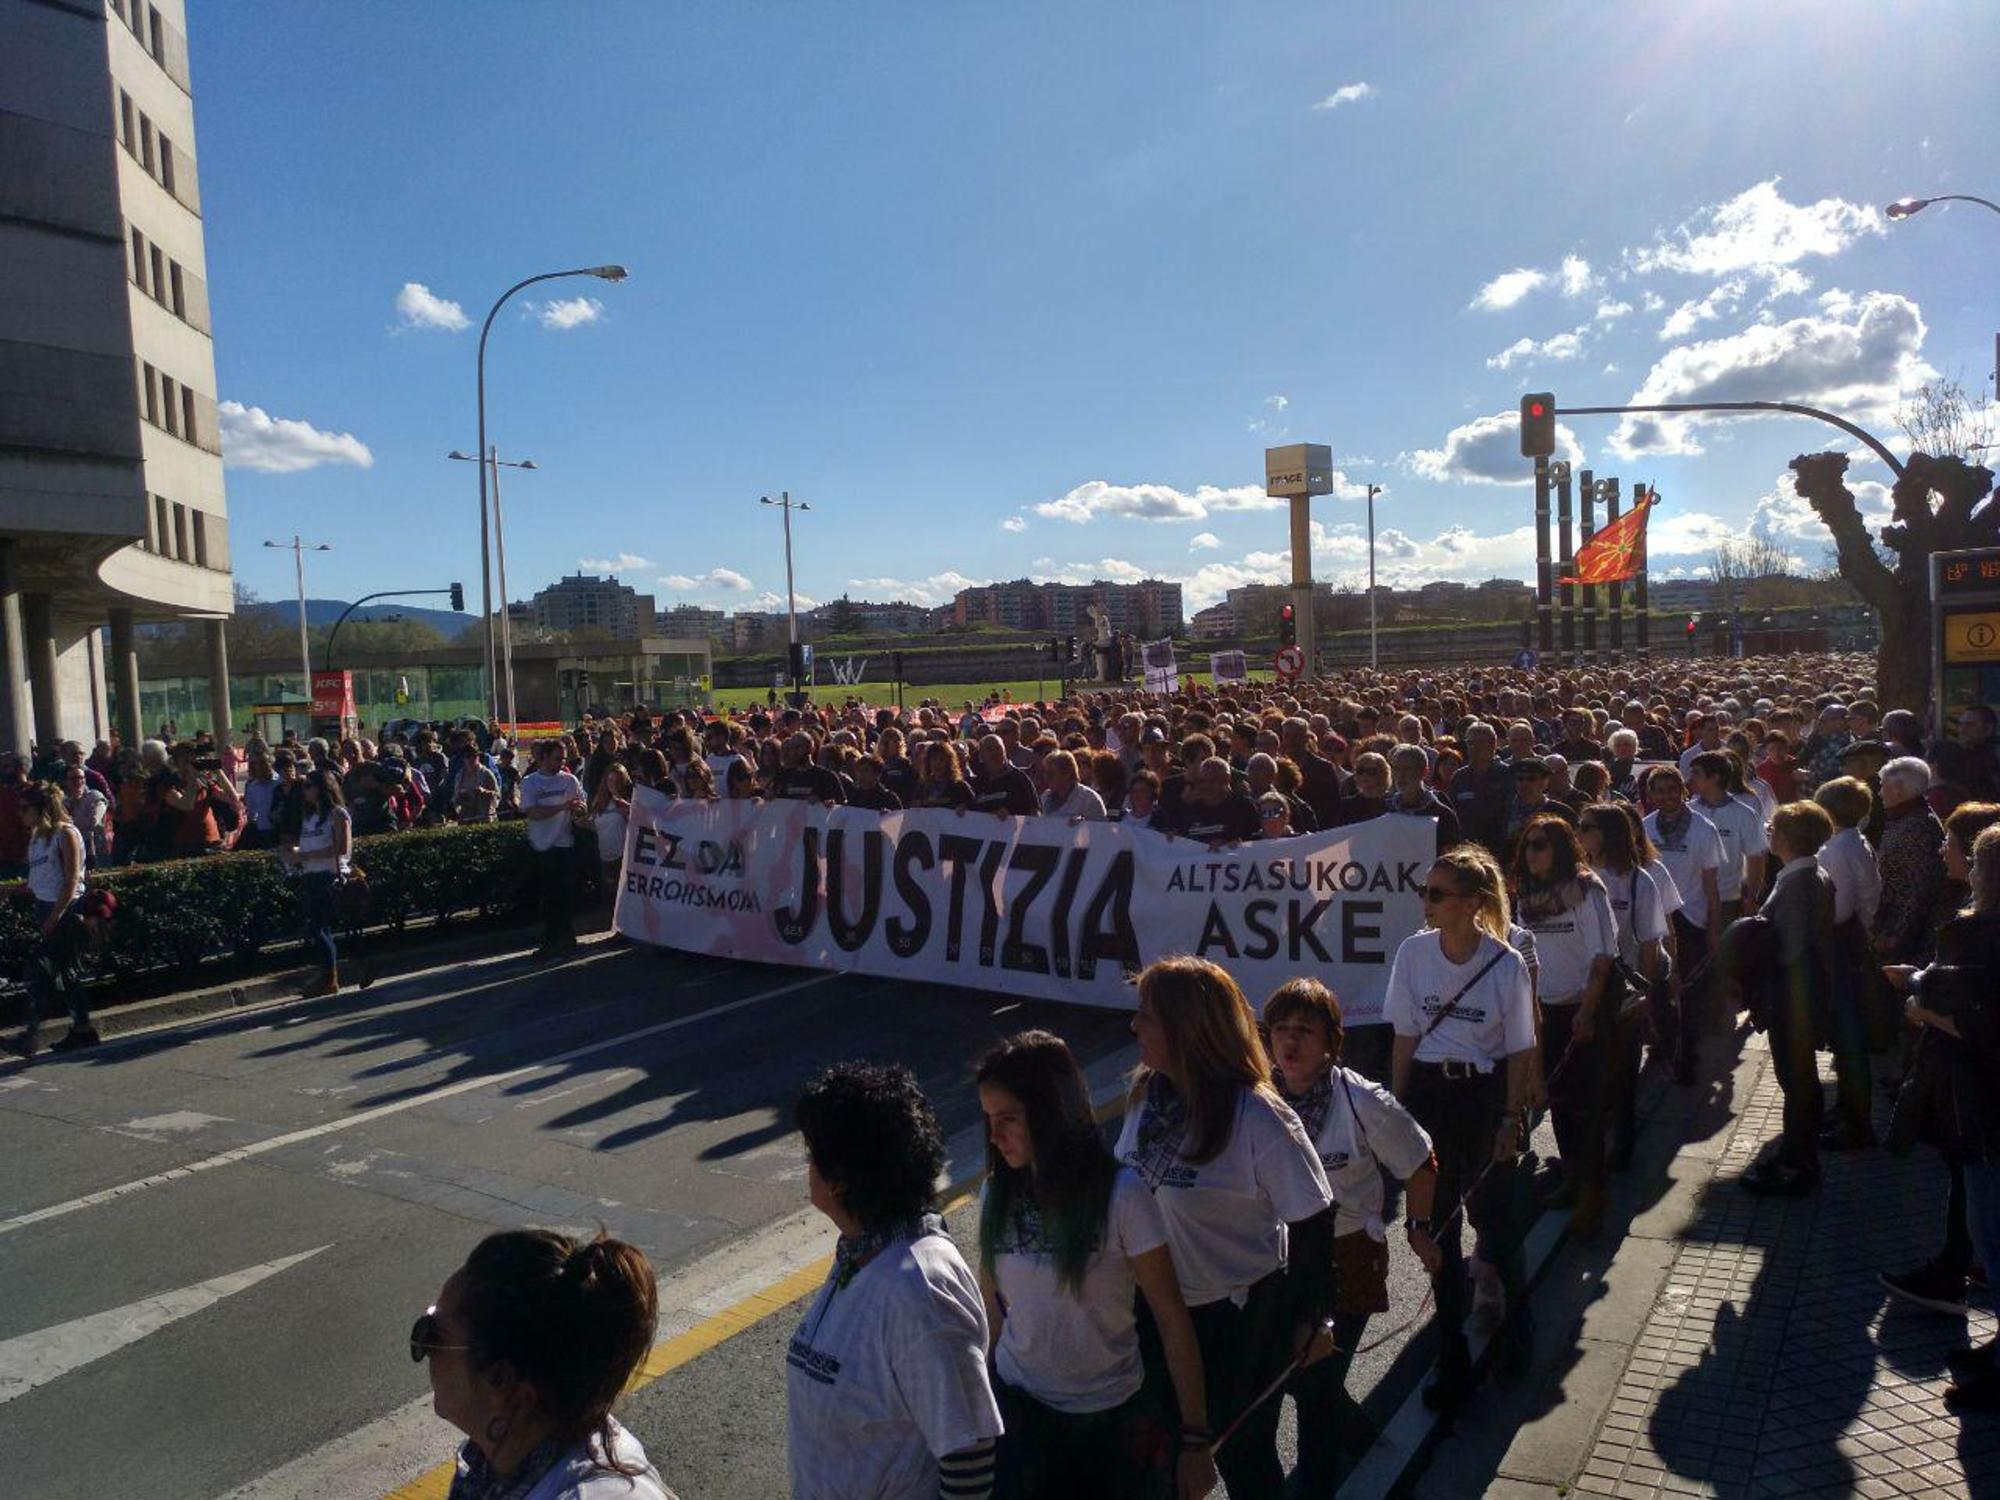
[(45, 871), (1353, 1158), (1568, 942), (1642, 913), (1077, 1351), (1742, 835), (887, 1375), (1226, 1217), (1695, 849), (1495, 1019), (540, 789)]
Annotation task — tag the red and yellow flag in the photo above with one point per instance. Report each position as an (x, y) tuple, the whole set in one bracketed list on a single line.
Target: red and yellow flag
[(1618, 551)]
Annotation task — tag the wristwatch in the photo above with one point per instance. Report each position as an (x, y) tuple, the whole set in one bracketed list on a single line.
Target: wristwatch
[(1412, 1224)]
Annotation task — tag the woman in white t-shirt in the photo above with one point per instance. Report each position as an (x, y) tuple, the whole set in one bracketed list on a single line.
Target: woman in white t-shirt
[(1066, 1237), (325, 842), (887, 1395), (1463, 1014), (55, 854), (1559, 899), (1358, 1129), (1246, 1204), (610, 811), (1641, 911)]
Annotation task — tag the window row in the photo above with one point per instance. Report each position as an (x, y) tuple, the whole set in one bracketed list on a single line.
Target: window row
[(177, 409), (148, 145), (162, 42), (163, 278), (180, 533)]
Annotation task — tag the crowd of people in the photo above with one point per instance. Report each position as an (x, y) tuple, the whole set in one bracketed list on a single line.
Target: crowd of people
[(1627, 860)]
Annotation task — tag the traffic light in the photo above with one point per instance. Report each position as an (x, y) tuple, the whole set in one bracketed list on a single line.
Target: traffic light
[(1694, 621), (583, 679), (896, 664), (1070, 653), (1055, 649), (1288, 626), (458, 597), (1538, 425)]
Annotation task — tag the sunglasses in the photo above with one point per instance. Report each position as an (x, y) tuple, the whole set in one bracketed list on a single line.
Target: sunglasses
[(1535, 846), (426, 1337), (1433, 894)]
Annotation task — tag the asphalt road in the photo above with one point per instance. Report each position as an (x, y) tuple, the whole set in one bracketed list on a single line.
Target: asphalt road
[(214, 1237)]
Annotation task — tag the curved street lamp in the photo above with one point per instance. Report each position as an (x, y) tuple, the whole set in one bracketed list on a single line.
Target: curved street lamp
[(603, 273), (1903, 208), (498, 463)]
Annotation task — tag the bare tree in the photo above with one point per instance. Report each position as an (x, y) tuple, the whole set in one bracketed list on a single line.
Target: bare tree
[(1940, 504), (1737, 563), (1943, 421)]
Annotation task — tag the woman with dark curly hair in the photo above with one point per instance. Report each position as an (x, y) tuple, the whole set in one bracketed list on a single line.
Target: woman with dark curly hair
[(529, 1344), (886, 1385), (1067, 1236)]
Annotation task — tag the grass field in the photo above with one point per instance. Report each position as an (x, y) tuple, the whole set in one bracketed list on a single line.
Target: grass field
[(952, 694)]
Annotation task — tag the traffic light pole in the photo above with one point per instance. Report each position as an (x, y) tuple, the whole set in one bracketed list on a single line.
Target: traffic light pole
[(1544, 574), (326, 659), (1611, 514)]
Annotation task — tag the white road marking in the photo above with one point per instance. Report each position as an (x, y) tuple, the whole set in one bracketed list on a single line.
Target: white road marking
[(35, 1359), (382, 1111), (159, 1127)]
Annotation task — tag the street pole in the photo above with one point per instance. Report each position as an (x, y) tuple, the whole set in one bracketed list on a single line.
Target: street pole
[(1374, 661), (785, 503), (299, 549), (1586, 495), (506, 625), (1566, 556), (1544, 573), (1611, 514), (1302, 582), (603, 273)]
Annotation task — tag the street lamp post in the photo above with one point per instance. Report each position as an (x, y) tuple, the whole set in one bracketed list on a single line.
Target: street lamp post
[(500, 558), (1902, 208), (787, 504), (299, 550), (1374, 662), (604, 273)]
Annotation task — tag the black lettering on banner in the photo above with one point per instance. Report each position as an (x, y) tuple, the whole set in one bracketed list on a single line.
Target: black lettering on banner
[(1040, 862), (851, 935), (645, 847), (1299, 930), (1353, 934), (907, 939), (1257, 917), (793, 925), (1107, 921), (1215, 933), (1065, 904), (989, 912), (958, 851), (672, 858)]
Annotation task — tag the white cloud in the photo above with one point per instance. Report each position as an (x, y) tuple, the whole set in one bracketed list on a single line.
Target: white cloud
[(1515, 353), (768, 602), (1575, 276), (1610, 312), (1509, 287), (1111, 569), (1757, 231), (1487, 451), (569, 312), (1788, 281), (1204, 541), (1652, 301), (934, 590), (624, 562), (1267, 423), (1560, 346), (419, 307), (1015, 524), (1691, 314), (1347, 93), (1857, 355), (715, 580), (1783, 515), (1277, 403), (254, 439)]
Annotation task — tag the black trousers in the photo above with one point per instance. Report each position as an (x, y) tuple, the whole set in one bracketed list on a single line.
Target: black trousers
[(1679, 1029), (1797, 1068), (1621, 1083), (1330, 1420), (1126, 1453), (1242, 1351), (556, 872), (1462, 1117), (1575, 1070)]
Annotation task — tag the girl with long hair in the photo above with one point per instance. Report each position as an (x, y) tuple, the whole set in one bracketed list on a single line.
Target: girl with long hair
[(1066, 1236), (1640, 908), (943, 781), (1463, 1012), (1245, 1201), (322, 845)]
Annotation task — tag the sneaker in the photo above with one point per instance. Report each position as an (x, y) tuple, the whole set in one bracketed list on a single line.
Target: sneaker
[(76, 1039), (1927, 1286)]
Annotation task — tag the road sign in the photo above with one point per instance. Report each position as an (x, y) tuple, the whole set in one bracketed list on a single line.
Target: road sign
[(1289, 662)]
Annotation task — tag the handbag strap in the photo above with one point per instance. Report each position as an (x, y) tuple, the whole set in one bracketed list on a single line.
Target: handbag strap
[(1451, 1005)]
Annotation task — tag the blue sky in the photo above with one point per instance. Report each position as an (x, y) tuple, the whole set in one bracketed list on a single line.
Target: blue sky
[(1027, 288)]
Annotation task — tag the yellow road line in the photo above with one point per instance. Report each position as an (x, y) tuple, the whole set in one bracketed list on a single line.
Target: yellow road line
[(718, 1328)]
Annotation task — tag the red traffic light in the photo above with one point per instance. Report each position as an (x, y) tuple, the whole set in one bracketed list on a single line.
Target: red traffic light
[(1285, 612), (1536, 409), (1538, 425)]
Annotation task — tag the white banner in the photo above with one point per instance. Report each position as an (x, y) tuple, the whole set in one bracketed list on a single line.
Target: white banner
[(1032, 906), (1228, 666)]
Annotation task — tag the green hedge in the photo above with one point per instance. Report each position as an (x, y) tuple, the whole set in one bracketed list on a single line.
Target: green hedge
[(175, 915)]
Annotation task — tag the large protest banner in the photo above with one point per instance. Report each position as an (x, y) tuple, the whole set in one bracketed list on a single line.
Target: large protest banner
[(1033, 906)]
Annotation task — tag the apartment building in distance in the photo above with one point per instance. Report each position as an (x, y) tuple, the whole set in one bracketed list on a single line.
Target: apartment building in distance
[(583, 600), (1148, 607), (112, 508)]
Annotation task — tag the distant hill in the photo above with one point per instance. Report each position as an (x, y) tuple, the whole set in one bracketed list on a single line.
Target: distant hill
[(325, 611)]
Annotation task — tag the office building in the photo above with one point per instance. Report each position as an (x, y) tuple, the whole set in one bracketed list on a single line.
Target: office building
[(584, 601)]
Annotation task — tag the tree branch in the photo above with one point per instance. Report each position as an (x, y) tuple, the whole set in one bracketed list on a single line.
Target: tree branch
[(1820, 480)]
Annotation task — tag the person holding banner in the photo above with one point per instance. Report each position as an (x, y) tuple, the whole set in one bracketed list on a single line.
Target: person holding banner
[(1359, 1130), (943, 783), (1463, 1011), (1247, 1208), (1066, 1237)]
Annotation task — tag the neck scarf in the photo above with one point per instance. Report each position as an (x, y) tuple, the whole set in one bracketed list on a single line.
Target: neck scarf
[(1312, 1105), (1163, 1125), (1672, 828), (476, 1479), (852, 1252)]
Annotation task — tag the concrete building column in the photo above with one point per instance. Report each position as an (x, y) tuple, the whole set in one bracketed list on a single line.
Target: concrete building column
[(218, 681), (125, 675), (14, 723), (44, 687)]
